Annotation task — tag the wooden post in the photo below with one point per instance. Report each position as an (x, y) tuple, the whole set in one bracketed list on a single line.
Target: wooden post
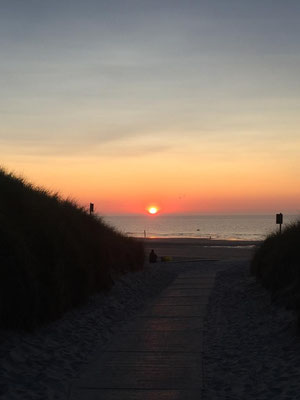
[(279, 220), (91, 208)]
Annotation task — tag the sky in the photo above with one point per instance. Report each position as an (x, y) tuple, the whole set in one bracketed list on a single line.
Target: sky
[(192, 106)]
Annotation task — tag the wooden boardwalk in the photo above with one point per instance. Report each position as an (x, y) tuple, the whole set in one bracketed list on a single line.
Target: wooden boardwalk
[(158, 355)]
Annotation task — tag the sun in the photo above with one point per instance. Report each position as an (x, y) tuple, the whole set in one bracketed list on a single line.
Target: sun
[(152, 210)]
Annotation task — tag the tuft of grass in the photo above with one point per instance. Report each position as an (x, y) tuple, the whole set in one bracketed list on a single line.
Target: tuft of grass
[(53, 254), (276, 264)]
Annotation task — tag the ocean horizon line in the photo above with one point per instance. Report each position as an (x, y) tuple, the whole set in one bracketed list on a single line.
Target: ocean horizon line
[(295, 214)]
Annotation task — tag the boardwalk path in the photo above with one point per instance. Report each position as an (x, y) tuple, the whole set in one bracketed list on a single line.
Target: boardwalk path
[(158, 355)]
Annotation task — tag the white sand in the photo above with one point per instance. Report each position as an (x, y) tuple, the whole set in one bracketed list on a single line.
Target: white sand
[(251, 350), (251, 347), (41, 365)]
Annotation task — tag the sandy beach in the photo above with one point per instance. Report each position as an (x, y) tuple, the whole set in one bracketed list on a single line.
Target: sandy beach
[(43, 364), (149, 200), (191, 249)]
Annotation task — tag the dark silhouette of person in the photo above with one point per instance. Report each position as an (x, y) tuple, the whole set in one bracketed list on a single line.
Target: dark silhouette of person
[(152, 257)]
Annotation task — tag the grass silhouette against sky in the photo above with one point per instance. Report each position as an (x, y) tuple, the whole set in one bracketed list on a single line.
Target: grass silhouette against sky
[(54, 255)]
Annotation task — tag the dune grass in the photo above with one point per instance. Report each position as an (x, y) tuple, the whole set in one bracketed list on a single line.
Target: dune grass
[(53, 254), (276, 264)]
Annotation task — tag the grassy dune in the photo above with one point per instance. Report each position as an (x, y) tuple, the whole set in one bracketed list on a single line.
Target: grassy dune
[(276, 264), (53, 254)]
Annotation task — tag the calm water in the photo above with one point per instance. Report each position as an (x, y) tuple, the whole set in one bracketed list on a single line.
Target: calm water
[(241, 227)]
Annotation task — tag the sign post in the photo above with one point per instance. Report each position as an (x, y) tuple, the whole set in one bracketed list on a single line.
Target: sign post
[(91, 208), (279, 220)]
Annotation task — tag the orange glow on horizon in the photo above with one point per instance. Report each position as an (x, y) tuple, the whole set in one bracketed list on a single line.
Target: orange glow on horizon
[(210, 186)]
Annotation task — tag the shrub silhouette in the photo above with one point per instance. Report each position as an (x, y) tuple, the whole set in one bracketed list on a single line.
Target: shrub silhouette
[(53, 254), (276, 264)]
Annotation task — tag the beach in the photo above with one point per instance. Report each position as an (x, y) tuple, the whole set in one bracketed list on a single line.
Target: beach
[(149, 200), (251, 350), (186, 249)]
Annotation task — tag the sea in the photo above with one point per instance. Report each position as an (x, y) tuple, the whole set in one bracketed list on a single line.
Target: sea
[(220, 227)]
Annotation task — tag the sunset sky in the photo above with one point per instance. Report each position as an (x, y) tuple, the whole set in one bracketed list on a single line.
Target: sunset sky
[(191, 106)]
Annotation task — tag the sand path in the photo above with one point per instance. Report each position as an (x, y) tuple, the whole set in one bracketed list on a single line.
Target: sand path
[(157, 355)]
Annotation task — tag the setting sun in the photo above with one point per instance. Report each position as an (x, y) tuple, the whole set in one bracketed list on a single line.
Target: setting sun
[(152, 210)]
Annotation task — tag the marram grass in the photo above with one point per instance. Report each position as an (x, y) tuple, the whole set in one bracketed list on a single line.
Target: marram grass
[(53, 254), (276, 264)]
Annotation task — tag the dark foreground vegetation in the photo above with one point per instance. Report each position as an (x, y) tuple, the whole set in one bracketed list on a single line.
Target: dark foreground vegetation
[(276, 264), (53, 254)]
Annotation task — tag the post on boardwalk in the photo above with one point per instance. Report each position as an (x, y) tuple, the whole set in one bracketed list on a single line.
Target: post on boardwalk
[(91, 208), (144, 233), (279, 220)]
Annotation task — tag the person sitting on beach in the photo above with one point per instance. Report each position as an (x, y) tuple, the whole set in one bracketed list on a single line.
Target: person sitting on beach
[(152, 257)]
